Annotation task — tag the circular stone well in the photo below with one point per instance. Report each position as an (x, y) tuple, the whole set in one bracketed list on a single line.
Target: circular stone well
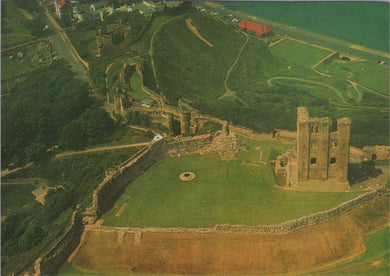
[(187, 176)]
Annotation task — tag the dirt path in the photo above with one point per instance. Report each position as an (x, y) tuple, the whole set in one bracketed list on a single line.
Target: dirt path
[(63, 45), (150, 52), (60, 155), (195, 31), (228, 92), (269, 82), (26, 14), (354, 84), (26, 181), (8, 172)]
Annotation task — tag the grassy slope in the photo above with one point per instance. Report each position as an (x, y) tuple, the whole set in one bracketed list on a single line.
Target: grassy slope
[(16, 26), (299, 53), (136, 88), (222, 192), (15, 198), (374, 261), (186, 66), (375, 258), (256, 63), (366, 73)]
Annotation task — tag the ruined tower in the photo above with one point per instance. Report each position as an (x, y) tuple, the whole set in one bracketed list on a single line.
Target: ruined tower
[(322, 156), (185, 123)]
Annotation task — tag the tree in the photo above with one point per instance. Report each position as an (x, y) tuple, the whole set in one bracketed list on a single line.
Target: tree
[(73, 136), (36, 152), (97, 124), (33, 235)]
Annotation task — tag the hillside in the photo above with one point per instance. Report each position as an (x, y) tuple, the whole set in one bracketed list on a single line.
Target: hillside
[(205, 61)]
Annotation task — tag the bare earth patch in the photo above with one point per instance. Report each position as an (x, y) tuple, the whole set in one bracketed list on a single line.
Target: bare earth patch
[(228, 253), (195, 31), (121, 210)]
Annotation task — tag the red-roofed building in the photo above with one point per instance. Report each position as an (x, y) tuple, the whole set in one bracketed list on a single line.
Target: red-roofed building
[(59, 4), (258, 29)]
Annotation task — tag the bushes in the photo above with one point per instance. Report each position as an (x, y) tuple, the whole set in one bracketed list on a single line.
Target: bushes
[(136, 118), (34, 113), (91, 128)]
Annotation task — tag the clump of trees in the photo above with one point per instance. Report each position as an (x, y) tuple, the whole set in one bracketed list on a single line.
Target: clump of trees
[(34, 112), (90, 128), (50, 108)]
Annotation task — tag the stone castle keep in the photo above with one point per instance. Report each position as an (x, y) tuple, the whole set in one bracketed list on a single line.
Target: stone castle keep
[(320, 159)]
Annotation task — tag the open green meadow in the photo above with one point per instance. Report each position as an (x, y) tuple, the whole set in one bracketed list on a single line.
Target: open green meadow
[(24, 60), (367, 73), (296, 52), (14, 27), (236, 192)]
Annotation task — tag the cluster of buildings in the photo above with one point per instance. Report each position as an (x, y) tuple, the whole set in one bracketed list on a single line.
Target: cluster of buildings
[(98, 10)]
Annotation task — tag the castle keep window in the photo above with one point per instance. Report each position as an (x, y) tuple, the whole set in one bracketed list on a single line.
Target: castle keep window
[(313, 161), (333, 160), (334, 143)]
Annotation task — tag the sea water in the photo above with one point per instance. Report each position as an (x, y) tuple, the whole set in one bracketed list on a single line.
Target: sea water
[(362, 23)]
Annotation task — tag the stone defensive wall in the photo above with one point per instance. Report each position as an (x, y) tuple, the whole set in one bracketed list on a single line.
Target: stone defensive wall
[(281, 135), (282, 228), (49, 263), (116, 179)]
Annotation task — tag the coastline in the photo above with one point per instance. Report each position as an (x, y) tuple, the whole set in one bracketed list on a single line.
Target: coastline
[(348, 48)]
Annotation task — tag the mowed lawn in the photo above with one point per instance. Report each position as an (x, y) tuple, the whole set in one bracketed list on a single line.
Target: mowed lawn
[(233, 192), (136, 88), (367, 73), (299, 53)]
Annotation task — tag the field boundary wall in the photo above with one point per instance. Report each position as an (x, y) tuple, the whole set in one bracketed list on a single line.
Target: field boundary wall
[(282, 228)]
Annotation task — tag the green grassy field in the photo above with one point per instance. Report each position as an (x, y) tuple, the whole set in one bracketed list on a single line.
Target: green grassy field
[(366, 73), (299, 53), (15, 29), (136, 88), (15, 198), (34, 56), (232, 192), (374, 261)]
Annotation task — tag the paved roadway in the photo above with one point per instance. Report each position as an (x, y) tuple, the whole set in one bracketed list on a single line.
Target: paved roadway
[(63, 46)]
